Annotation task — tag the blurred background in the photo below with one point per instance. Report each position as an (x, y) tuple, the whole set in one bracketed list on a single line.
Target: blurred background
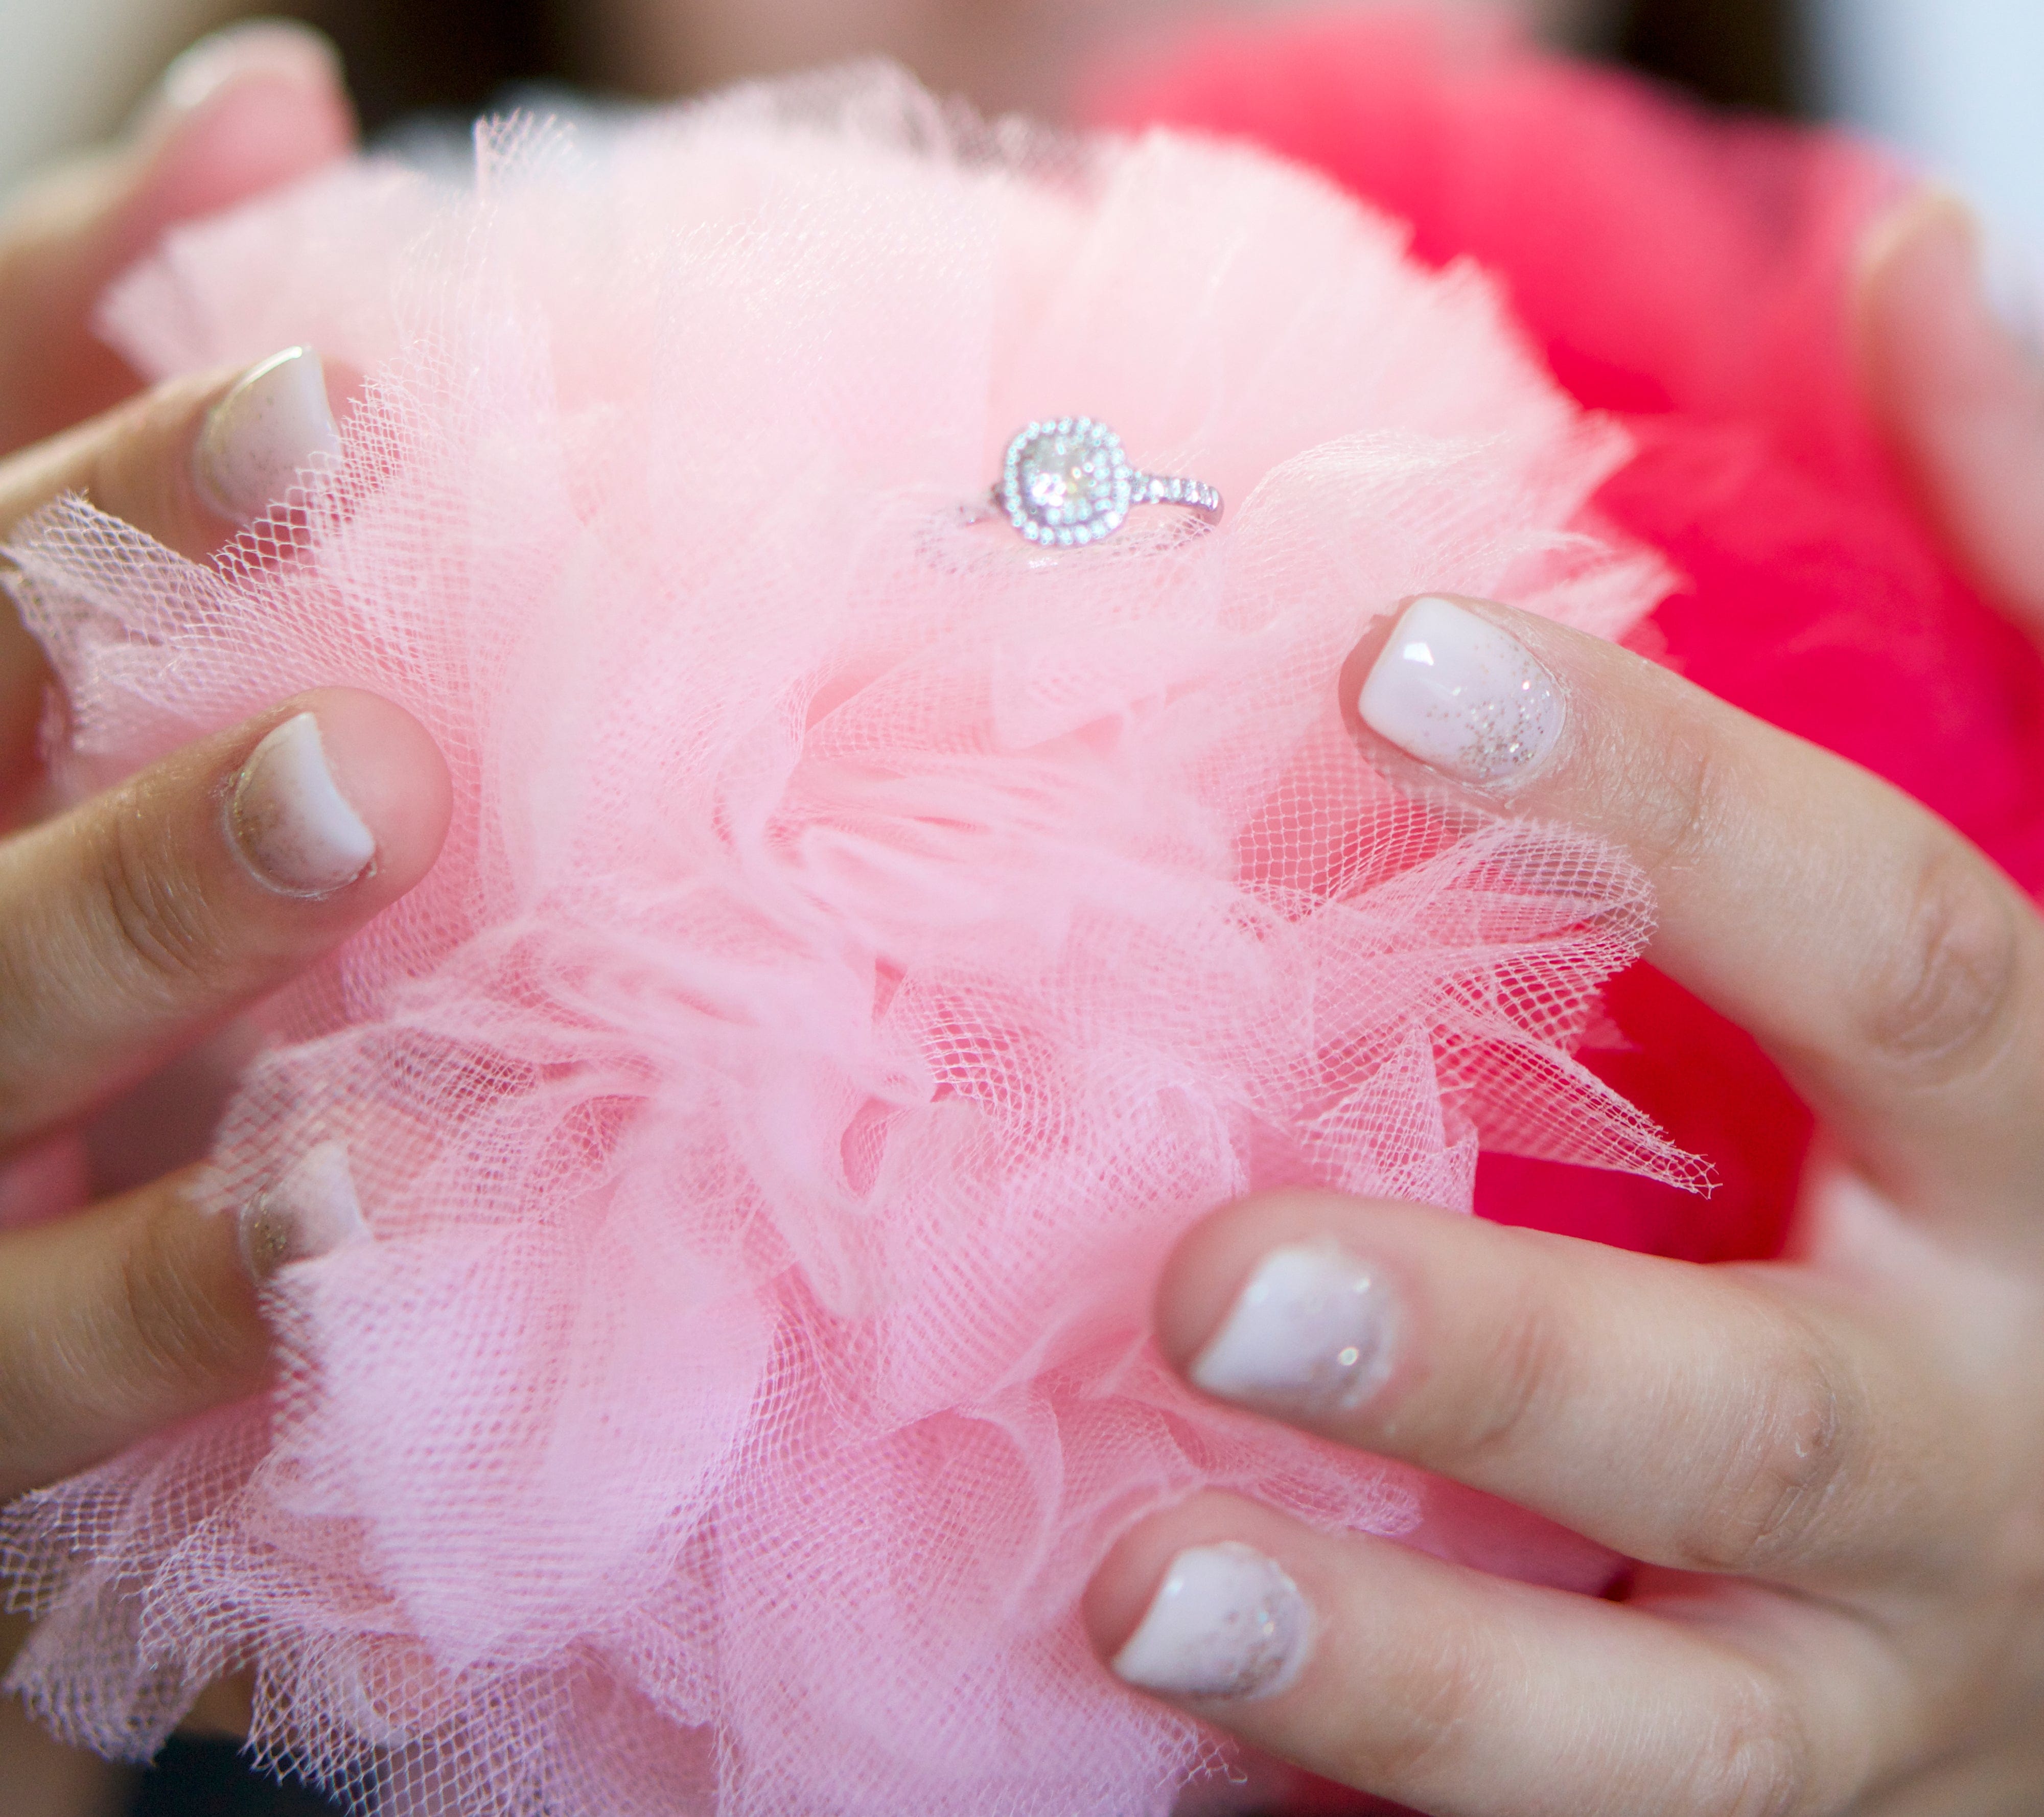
[(1956, 85)]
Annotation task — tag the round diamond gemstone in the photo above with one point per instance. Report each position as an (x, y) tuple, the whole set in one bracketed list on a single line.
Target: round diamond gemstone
[(1064, 476)]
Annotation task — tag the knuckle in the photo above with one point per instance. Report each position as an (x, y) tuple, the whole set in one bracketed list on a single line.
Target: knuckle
[(1764, 1500), (1945, 991), (157, 918), (1522, 1372), (134, 473), (1681, 802), (1761, 1762), (182, 1333)]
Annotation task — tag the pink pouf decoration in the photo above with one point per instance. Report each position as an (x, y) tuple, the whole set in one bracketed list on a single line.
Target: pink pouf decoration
[(1690, 276), (866, 941)]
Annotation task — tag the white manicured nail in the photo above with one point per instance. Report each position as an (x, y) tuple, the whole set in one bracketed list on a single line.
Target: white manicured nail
[(261, 437), (310, 1212), (273, 50), (290, 818), (1310, 1334), (1455, 691), (1226, 1622)]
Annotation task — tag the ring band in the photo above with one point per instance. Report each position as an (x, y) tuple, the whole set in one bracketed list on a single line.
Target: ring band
[(1066, 482)]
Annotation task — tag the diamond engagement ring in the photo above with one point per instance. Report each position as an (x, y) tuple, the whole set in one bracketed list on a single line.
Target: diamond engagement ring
[(1067, 482)]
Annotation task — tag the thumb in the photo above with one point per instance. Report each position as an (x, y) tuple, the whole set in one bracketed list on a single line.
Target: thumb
[(1959, 398), (146, 1310), (242, 112)]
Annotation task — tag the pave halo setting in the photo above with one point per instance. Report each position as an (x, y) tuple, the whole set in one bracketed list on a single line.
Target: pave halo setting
[(1066, 482)]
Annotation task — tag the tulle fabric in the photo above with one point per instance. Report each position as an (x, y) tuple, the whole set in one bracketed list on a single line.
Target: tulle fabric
[(864, 943), (1689, 274)]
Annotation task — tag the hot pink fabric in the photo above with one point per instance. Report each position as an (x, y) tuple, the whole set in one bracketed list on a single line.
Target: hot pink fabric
[(1689, 275), (864, 944)]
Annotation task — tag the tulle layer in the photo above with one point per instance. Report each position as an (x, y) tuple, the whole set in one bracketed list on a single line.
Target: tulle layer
[(864, 942), (1689, 274)]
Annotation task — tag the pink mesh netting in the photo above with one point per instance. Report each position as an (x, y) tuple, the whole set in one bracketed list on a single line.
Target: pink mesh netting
[(1692, 273), (865, 943)]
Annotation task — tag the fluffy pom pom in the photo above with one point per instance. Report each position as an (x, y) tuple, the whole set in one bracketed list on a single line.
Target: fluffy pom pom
[(1692, 275), (867, 939)]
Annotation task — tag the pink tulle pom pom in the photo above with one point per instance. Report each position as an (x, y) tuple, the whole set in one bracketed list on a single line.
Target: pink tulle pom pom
[(867, 939), (1692, 275)]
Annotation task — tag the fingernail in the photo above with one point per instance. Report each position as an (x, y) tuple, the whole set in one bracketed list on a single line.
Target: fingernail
[(289, 818), (260, 49), (1227, 1622), (1456, 692), (1310, 1334), (1981, 287), (1934, 231), (310, 1211), (263, 434)]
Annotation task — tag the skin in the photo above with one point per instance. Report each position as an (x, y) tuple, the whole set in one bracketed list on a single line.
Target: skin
[(1828, 1467), (1831, 1468), (131, 926)]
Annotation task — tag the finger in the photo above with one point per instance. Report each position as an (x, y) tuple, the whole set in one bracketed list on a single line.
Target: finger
[(1471, 1696), (38, 1773), (145, 1310), (145, 916), (1892, 972), (1961, 399), (1705, 1420), (190, 462), (242, 112)]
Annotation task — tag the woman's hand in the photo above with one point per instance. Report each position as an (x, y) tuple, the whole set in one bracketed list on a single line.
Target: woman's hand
[(241, 112), (1831, 1468), (137, 923), (238, 113)]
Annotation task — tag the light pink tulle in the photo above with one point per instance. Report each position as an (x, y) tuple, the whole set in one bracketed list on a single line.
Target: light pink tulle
[(864, 943)]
